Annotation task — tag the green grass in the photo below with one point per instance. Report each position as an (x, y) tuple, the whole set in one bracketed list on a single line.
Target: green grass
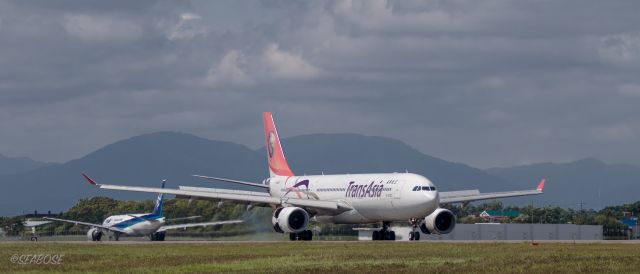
[(305, 257)]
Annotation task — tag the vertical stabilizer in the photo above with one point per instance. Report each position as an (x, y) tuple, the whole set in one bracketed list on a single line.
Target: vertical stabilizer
[(157, 209), (277, 163)]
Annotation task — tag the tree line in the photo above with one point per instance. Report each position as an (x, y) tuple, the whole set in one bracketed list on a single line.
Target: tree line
[(258, 219)]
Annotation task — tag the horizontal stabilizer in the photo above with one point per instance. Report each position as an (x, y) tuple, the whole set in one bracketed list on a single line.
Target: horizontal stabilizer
[(148, 217)]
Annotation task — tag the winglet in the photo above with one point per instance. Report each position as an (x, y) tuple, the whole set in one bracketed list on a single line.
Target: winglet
[(91, 181), (540, 185)]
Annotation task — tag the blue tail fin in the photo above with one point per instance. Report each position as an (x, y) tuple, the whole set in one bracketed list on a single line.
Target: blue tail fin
[(157, 210)]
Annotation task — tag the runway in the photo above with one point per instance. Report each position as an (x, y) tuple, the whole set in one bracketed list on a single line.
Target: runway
[(206, 242)]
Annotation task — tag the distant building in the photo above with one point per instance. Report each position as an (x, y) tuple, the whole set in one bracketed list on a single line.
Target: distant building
[(35, 214), (631, 222), (493, 215)]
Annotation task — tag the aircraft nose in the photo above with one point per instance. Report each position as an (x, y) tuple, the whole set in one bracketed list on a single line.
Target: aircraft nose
[(431, 195), (429, 201)]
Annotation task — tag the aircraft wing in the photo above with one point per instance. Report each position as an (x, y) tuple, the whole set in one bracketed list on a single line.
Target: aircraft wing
[(232, 181), (475, 195), (168, 227), (87, 224), (240, 196), (183, 218)]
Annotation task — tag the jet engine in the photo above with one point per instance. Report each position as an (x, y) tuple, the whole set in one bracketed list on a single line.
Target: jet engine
[(290, 219), (441, 221), (94, 234)]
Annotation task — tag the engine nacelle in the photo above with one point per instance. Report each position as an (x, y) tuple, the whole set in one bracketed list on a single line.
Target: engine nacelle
[(290, 219), (441, 221), (94, 234)]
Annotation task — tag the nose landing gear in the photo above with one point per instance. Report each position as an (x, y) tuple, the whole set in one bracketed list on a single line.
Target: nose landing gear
[(384, 233), (414, 235)]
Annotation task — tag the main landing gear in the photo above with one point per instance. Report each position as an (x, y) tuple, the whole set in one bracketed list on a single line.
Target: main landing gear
[(384, 233), (96, 237), (115, 236), (158, 236), (414, 235), (306, 235)]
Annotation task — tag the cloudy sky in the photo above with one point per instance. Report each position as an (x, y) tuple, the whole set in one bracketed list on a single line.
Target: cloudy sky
[(487, 83)]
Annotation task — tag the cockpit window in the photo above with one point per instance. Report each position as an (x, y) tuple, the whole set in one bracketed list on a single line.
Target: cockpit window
[(424, 188)]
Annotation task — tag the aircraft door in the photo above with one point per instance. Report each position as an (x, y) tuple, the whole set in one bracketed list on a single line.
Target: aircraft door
[(397, 189)]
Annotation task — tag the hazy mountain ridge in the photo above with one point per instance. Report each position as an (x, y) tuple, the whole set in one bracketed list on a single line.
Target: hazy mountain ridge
[(15, 165), (355, 153), (147, 159), (589, 181)]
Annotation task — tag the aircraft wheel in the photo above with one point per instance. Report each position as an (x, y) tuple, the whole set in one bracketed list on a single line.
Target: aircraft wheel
[(375, 235), (302, 236), (392, 235), (416, 236), (293, 236), (411, 236), (385, 235), (307, 235)]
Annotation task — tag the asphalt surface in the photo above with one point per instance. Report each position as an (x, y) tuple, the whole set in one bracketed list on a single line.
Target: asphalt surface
[(342, 242)]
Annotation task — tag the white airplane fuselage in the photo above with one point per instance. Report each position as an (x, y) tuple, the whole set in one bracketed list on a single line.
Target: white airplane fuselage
[(134, 226), (373, 197)]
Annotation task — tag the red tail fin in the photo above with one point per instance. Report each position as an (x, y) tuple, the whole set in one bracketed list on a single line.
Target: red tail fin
[(277, 163), (540, 185)]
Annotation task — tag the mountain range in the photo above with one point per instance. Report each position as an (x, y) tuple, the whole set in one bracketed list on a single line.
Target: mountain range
[(14, 165), (586, 183), (147, 159)]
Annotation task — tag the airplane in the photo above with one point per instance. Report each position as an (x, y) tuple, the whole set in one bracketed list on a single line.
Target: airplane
[(379, 198), (146, 224), (33, 225)]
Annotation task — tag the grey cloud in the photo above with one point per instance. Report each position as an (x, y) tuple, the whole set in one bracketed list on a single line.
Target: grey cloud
[(485, 83)]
